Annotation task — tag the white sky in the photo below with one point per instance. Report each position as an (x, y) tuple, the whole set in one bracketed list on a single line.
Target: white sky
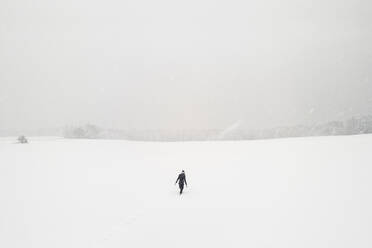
[(183, 64)]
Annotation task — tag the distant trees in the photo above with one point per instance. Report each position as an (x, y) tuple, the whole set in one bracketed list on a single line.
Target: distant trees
[(82, 132), (22, 139), (78, 132), (355, 125)]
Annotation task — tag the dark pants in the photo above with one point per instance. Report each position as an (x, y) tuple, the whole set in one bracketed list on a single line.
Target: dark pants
[(181, 187)]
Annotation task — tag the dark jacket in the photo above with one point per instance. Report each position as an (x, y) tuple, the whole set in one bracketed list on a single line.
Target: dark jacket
[(181, 179)]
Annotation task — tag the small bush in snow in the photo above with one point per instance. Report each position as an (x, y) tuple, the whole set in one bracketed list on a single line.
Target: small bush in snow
[(22, 139)]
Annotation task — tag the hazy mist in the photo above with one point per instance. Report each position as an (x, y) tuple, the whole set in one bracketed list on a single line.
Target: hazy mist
[(183, 64)]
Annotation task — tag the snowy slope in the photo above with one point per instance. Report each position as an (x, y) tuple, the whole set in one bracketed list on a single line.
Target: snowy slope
[(301, 192)]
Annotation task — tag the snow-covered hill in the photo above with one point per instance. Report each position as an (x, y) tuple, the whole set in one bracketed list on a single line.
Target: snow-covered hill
[(300, 192)]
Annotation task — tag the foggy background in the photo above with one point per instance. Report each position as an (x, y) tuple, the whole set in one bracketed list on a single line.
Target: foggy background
[(183, 64)]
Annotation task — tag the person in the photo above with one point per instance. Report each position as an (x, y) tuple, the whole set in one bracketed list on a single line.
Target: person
[(181, 179)]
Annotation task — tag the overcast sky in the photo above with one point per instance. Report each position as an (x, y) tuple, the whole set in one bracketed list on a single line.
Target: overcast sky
[(183, 64)]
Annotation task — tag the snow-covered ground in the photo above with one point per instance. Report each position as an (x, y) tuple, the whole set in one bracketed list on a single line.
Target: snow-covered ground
[(299, 192)]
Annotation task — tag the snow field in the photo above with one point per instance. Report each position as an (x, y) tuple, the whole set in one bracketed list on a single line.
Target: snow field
[(299, 192)]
